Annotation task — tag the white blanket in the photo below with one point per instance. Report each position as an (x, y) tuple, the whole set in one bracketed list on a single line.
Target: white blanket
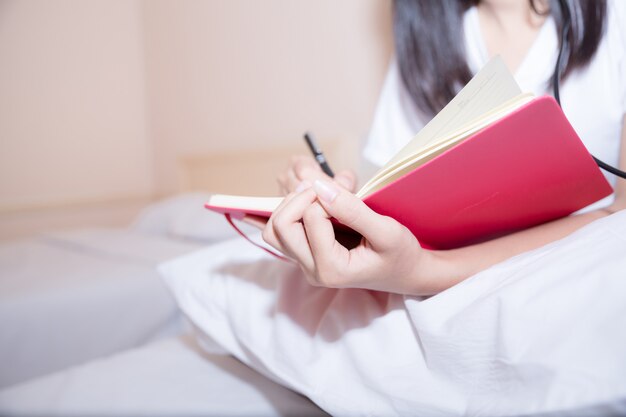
[(542, 332)]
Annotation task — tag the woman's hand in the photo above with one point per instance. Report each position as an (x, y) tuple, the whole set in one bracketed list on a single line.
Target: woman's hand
[(300, 173), (388, 257), (305, 168)]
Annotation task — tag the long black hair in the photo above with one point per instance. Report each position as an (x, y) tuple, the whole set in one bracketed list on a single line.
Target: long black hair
[(430, 47)]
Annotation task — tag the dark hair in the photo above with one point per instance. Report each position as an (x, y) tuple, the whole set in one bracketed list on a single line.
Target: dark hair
[(430, 47)]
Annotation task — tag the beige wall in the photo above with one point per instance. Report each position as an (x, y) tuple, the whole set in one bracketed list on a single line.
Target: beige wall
[(101, 98), (244, 74), (72, 103)]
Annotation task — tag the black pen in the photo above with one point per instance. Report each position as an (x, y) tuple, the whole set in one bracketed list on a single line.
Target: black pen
[(317, 153)]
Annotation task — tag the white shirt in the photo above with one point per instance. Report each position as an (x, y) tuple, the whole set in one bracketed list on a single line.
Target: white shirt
[(594, 98)]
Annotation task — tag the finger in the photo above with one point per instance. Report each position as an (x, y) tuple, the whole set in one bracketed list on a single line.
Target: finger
[(289, 229), (269, 235), (313, 174), (347, 179), (291, 208), (303, 185), (283, 186), (305, 167), (351, 211), (269, 232), (288, 180), (292, 180), (328, 253), (310, 170)]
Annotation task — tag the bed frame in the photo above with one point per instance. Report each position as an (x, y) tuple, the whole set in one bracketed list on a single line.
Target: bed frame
[(250, 172)]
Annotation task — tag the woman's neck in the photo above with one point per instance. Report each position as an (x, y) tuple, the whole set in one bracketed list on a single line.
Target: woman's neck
[(509, 28), (507, 12)]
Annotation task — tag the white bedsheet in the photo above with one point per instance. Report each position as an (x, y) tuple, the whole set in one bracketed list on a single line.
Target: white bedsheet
[(69, 297), (541, 333), (165, 378)]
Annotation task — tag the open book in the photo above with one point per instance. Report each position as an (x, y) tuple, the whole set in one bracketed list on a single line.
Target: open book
[(493, 161)]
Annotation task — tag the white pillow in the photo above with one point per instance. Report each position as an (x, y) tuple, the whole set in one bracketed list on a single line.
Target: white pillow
[(184, 216), (539, 333)]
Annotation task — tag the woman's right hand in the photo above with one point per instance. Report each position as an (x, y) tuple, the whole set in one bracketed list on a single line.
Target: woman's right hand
[(386, 258), (305, 169)]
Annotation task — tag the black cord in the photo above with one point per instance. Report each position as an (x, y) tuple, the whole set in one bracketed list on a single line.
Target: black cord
[(567, 24)]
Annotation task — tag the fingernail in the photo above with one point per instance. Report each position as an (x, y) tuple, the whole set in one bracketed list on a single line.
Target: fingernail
[(303, 186), (325, 191)]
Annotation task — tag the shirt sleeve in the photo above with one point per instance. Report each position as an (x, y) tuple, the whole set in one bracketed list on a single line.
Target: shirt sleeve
[(395, 121)]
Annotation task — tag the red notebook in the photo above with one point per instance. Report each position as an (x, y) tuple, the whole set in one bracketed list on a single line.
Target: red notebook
[(526, 169), (511, 171)]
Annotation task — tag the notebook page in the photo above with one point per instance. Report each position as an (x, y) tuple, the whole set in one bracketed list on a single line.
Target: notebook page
[(439, 146), (245, 202), (491, 87)]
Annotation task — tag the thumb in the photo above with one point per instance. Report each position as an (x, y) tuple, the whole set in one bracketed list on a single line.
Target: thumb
[(346, 179), (351, 211)]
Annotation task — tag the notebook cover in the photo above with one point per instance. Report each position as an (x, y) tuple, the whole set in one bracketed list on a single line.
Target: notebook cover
[(237, 213), (526, 169)]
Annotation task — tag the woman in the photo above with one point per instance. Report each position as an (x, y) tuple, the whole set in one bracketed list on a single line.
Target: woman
[(431, 70), (537, 333)]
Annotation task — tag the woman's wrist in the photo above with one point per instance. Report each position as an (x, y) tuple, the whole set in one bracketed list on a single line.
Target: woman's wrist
[(438, 270)]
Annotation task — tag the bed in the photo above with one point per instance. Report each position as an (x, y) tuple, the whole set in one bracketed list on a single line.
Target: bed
[(170, 377), (541, 334), (113, 322), (71, 296), (89, 328), (75, 300), (68, 297)]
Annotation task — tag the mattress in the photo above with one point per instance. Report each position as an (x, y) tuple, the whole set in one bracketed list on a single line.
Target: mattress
[(66, 298)]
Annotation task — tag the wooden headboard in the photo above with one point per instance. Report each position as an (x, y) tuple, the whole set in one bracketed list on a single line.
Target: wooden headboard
[(253, 172)]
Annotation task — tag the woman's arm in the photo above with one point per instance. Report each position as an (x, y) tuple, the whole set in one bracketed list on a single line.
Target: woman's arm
[(389, 257)]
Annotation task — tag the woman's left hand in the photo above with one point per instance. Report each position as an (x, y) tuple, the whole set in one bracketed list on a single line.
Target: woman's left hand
[(388, 257)]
